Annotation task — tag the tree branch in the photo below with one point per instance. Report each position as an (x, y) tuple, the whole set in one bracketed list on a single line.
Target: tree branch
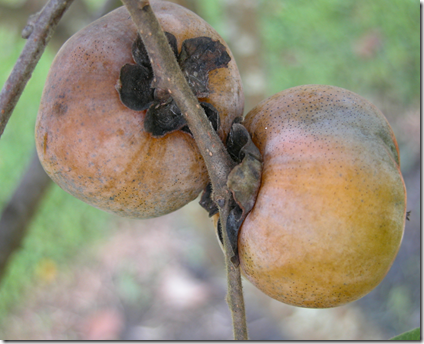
[(20, 210), (168, 76), (38, 31)]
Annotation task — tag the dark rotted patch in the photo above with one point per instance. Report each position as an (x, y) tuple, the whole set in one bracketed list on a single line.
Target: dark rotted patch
[(198, 57)]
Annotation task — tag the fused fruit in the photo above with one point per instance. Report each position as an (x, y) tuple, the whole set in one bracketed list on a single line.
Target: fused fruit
[(92, 135), (330, 213)]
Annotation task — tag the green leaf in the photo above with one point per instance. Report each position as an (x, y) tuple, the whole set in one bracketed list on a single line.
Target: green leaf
[(414, 334)]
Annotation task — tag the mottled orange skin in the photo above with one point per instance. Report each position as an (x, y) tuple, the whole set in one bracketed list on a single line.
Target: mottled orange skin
[(96, 149), (330, 213)]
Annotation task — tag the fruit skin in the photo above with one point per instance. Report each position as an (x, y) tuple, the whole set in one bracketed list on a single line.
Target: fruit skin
[(330, 213), (96, 149)]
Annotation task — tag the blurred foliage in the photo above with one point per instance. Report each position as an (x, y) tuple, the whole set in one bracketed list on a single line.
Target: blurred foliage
[(14, 3), (369, 47), (414, 334)]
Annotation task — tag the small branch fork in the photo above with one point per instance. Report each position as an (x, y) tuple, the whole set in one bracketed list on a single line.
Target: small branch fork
[(168, 76), (38, 31)]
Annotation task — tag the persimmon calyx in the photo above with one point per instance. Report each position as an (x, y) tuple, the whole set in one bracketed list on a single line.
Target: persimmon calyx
[(243, 181), (137, 89)]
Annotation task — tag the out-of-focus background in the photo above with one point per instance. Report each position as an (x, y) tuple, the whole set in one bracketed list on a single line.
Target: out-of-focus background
[(83, 274)]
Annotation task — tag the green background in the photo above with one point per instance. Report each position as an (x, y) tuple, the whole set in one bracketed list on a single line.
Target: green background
[(303, 42)]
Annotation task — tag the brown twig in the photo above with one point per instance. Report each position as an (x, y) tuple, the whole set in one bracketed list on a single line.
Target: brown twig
[(20, 210), (168, 76), (38, 31)]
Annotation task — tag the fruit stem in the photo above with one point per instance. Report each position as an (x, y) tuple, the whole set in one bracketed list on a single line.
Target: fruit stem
[(168, 76)]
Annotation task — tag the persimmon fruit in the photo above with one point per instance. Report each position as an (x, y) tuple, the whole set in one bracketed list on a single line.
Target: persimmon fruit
[(91, 134), (330, 213)]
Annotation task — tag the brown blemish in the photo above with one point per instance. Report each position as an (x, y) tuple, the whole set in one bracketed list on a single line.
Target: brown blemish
[(45, 142), (60, 109)]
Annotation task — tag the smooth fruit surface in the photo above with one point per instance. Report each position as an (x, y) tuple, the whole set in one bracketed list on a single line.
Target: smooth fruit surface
[(330, 213), (96, 148)]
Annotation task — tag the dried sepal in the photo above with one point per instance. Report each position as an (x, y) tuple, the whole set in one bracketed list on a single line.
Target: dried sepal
[(134, 87), (211, 113), (172, 42), (139, 53), (198, 57), (243, 181), (206, 201), (162, 119)]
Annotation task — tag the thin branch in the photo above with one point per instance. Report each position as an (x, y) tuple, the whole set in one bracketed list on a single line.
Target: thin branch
[(20, 210), (38, 31), (168, 76)]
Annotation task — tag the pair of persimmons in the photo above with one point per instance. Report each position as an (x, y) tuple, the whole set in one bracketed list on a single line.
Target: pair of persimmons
[(330, 212)]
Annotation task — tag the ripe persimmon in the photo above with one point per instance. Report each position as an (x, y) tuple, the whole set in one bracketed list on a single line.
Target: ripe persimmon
[(330, 213), (92, 135)]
